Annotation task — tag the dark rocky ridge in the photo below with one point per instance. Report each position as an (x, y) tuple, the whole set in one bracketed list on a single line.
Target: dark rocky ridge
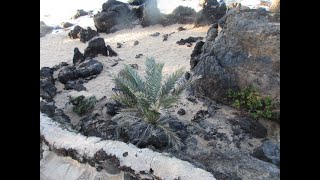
[(246, 52)]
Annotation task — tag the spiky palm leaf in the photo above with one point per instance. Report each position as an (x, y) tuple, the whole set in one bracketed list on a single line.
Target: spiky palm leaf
[(170, 82), (133, 76), (146, 98), (153, 79)]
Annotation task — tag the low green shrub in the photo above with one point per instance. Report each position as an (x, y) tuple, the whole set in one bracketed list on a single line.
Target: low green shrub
[(251, 100), (82, 104)]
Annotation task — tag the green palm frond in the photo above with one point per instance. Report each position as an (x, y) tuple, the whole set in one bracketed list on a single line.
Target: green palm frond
[(170, 82), (142, 101), (168, 101), (153, 79), (124, 99), (146, 97), (133, 76), (127, 95)]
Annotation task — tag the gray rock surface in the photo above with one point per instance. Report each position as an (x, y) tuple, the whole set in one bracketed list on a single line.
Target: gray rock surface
[(82, 149), (246, 52), (211, 13), (114, 16), (269, 152)]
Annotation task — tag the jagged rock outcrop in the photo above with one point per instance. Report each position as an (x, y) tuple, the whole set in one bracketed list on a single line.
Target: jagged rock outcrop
[(83, 34), (87, 34), (73, 34), (78, 57), (47, 88), (86, 69), (211, 13), (189, 40), (181, 15), (114, 16), (269, 152), (98, 46), (246, 52)]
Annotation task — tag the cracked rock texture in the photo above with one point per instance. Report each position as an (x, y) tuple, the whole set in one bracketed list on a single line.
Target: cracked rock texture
[(155, 164)]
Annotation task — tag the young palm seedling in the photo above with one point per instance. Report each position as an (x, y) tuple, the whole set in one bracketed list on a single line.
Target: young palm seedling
[(148, 99)]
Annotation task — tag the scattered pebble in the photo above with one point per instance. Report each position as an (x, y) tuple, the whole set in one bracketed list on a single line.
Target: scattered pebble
[(181, 28), (125, 154), (155, 34), (139, 55), (181, 112), (134, 66), (119, 45)]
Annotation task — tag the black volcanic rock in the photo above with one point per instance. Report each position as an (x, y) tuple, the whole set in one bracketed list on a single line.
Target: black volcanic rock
[(95, 47), (47, 88), (77, 56)]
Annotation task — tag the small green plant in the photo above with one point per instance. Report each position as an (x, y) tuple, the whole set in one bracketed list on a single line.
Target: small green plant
[(82, 105), (148, 99), (250, 99)]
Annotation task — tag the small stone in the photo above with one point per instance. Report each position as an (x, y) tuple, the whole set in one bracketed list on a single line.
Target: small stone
[(200, 115), (155, 34), (181, 28), (165, 37), (136, 43), (134, 66), (191, 99), (187, 75), (138, 56), (125, 154), (181, 112), (66, 24), (119, 45)]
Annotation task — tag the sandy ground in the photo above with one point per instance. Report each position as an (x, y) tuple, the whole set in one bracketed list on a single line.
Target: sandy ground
[(65, 168), (56, 48)]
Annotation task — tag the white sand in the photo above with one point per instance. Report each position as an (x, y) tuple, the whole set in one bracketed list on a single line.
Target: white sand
[(56, 48)]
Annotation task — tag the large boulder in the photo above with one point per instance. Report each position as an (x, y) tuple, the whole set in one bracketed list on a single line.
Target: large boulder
[(47, 88), (84, 34), (211, 13), (246, 52), (181, 15), (269, 152), (77, 56), (83, 70), (73, 34), (48, 108), (95, 47), (137, 2), (87, 34), (114, 16)]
